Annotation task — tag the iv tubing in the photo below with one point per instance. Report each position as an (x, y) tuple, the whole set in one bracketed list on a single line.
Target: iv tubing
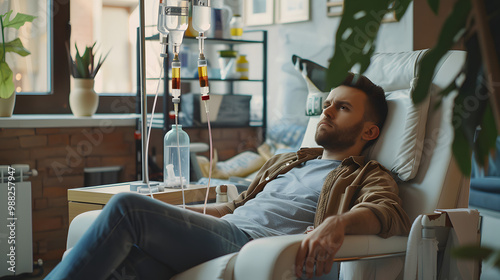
[(144, 106), (201, 39), (176, 109), (211, 156), (151, 121)]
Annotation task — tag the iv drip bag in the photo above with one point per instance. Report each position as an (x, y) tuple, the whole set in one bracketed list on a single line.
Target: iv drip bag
[(176, 21), (202, 14), (161, 26)]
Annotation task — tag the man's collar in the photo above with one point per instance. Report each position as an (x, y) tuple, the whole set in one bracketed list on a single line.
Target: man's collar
[(315, 152), (359, 160)]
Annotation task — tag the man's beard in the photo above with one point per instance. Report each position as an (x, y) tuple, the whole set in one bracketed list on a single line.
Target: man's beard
[(339, 139)]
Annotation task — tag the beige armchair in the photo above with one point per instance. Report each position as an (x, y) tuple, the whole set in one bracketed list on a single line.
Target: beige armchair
[(416, 146)]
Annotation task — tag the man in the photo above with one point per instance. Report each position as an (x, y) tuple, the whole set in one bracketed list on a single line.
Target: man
[(332, 189)]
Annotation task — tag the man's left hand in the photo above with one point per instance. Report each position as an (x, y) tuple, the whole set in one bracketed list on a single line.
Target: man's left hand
[(319, 247)]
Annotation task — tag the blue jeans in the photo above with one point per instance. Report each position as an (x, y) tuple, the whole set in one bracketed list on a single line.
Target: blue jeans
[(153, 239)]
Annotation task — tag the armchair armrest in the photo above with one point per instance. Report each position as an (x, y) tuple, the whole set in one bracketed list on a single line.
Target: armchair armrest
[(274, 257), (79, 226)]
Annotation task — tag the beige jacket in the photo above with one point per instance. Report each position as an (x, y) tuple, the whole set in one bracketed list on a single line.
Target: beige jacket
[(352, 185)]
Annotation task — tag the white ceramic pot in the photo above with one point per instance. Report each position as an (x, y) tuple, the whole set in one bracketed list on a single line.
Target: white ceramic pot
[(7, 105), (83, 100)]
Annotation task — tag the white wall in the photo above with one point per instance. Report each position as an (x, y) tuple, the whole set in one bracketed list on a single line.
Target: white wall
[(314, 40)]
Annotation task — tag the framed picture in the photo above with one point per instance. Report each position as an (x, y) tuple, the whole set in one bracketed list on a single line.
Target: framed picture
[(292, 11), (335, 8), (258, 12)]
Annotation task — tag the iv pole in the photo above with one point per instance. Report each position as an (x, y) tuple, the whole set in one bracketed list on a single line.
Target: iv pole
[(144, 104)]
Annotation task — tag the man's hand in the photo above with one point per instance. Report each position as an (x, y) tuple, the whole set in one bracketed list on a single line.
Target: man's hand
[(319, 247)]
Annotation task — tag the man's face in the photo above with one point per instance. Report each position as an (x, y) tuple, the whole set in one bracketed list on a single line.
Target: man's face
[(342, 120)]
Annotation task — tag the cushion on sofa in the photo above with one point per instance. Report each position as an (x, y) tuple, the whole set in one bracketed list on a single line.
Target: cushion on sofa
[(406, 124), (486, 184), (485, 200)]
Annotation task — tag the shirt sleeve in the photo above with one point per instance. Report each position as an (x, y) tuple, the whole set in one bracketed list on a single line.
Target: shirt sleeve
[(379, 193)]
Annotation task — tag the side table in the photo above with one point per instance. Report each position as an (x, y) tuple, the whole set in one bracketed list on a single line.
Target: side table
[(94, 198)]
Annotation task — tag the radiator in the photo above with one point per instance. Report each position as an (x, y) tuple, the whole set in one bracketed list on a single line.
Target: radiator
[(16, 241)]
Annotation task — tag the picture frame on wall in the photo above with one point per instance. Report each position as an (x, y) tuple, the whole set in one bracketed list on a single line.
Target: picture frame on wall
[(288, 11), (335, 8), (258, 12)]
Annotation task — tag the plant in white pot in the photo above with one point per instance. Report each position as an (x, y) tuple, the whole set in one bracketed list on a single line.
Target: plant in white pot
[(7, 90), (83, 100)]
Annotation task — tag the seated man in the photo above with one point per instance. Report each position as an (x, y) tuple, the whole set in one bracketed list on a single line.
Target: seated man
[(331, 189)]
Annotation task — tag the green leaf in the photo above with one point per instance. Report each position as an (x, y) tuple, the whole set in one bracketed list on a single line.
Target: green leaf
[(87, 56), (487, 137), (400, 8), (471, 252), (454, 24), (6, 80), (355, 38), (434, 5), (475, 252), (462, 152), (18, 21), (6, 16), (451, 87), (81, 66), (495, 259), (15, 46)]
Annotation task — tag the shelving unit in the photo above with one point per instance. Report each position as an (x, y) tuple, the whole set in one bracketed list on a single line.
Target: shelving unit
[(231, 45)]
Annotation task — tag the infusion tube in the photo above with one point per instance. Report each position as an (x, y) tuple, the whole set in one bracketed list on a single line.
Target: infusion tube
[(176, 93), (161, 28), (204, 90), (203, 77), (176, 79), (201, 23)]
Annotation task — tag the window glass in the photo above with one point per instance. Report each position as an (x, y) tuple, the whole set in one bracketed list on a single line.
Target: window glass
[(113, 24), (32, 73)]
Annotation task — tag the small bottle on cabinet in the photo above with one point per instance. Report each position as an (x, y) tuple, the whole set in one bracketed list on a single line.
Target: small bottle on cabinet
[(236, 27), (242, 67)]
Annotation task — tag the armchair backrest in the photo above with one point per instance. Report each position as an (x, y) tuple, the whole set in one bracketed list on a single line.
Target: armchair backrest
[(415, 143)]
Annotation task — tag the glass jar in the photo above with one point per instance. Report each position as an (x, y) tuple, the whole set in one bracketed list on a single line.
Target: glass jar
[(176, 150), (236, 27), (242, 67)]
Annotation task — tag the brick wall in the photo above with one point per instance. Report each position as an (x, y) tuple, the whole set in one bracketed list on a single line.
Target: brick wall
[(61, 154)]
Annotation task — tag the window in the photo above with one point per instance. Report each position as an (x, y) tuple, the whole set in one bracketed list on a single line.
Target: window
[(113, 25), (32, 73)]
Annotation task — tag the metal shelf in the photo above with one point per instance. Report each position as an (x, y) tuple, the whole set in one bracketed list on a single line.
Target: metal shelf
[(216, 41), (159, 123), (213, 80)]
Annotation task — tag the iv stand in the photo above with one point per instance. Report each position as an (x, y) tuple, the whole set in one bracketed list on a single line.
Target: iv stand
[(144, 104)]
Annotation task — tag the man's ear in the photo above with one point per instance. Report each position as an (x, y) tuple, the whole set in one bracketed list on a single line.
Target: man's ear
[(370, 132)]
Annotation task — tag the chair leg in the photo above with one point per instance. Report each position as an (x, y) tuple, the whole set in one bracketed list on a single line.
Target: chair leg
[(428, 256)]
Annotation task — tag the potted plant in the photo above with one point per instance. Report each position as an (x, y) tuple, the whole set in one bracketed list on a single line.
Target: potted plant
[(7, 90), (476, 22), (83, 100)]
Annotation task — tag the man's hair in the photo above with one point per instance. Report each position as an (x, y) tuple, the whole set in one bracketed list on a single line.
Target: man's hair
[(377, 105)]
